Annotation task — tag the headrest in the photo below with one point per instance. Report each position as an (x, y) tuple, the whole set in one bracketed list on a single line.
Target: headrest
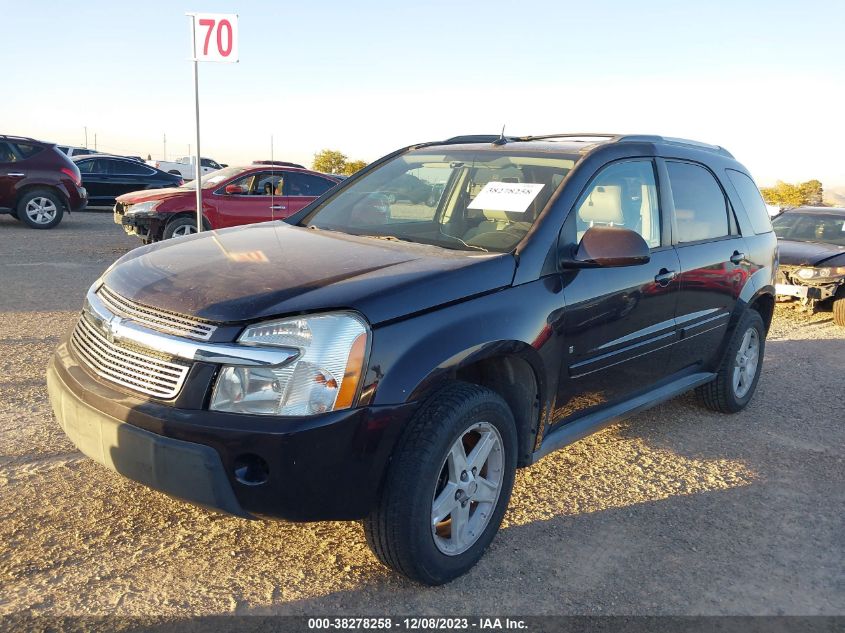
[(604, 205), (506, 216)]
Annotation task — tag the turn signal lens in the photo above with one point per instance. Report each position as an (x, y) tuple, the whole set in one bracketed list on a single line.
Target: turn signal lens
[(352, 373)]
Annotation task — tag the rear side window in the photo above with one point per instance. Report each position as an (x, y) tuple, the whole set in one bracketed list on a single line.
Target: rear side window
[(701, 211), (751, 199), (86, 166), (307, 185), (128, 168), (6, 154)]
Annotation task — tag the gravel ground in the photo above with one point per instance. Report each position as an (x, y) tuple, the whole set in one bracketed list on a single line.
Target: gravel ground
[(678, 511)]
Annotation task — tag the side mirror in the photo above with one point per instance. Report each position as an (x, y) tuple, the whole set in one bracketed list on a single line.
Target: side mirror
[(609, 246), (234, 189)]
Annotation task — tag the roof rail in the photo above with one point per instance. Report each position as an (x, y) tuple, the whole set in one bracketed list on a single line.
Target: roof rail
[(683, 142), (475, 138), (19, 138)]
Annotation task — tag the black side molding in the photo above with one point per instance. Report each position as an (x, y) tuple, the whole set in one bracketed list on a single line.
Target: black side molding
[(590, 423)]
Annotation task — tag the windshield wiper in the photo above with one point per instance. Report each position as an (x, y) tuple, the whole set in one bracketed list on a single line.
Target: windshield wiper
[(389, 238)]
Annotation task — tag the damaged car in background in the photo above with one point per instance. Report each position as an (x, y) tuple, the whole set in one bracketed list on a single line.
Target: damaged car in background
[(811, 241)]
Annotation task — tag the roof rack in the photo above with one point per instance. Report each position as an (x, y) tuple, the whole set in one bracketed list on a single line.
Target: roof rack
[(585, 137)]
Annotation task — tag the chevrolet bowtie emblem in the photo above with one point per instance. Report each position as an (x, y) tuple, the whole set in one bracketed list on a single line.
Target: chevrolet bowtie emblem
[(112, 326)]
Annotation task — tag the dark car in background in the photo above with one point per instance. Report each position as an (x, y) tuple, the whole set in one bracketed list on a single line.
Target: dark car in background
[(811, 242), (38, 182), (107, 177), (230, 197), (398, 367)]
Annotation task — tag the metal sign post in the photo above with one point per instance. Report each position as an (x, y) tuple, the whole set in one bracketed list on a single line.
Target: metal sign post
[(219, 43)]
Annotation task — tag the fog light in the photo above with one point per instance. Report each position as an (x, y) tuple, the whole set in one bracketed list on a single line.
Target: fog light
[(251, 470)]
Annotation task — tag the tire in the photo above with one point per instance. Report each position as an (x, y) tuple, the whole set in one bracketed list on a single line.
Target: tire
[(724, 394), (839, 310), (40, 209), (179, 227), (400, 531)]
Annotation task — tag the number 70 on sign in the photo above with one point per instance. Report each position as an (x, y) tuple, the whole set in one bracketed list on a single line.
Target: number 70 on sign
[(215, 37)]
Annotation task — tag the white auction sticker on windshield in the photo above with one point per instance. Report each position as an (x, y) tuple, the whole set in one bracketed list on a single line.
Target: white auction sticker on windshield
[(514, 197)]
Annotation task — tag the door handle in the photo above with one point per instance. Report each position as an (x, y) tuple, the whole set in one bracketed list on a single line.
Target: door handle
[(16, 174), (665, 277), (737, 257), (278, 207)]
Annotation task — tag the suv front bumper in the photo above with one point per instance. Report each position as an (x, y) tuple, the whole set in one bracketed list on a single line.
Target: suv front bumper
[(327, 467)]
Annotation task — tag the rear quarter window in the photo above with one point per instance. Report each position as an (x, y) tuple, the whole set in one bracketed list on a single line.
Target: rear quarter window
[(753, 202), (27, 150)]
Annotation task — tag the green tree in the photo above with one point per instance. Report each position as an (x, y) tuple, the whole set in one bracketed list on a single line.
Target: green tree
[(354, 165), (329, 161), (812, 193), (787, 195)]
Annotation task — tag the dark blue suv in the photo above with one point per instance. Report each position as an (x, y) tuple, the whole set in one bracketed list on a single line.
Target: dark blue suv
[(395, 360)]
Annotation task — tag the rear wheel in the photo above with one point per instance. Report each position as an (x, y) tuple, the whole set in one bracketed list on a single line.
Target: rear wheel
[(40, 209), (448, 486), (179, 227), (737, 378)]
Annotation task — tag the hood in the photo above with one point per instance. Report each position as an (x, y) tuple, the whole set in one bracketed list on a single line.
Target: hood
[(273, 269), (154, 194), (795, 253)]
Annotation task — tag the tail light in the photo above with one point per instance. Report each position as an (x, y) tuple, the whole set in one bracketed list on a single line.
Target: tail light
[(73, 174), (158, 165), (180, 183)]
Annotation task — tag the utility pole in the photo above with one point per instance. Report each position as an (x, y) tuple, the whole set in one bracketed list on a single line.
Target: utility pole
[(95, 141), (86, 136), (164, 150)]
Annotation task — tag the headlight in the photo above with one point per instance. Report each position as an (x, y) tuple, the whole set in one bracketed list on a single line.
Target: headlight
[(324, 377), (821, 273), (143, 207)]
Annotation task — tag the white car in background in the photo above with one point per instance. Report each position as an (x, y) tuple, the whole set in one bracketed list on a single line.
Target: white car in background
[(185, 166)]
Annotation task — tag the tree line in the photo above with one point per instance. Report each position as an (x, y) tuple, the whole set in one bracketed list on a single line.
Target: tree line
[(787, 195)]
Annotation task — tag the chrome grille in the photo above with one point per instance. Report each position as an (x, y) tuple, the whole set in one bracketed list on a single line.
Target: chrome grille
[(134, 368), (157, 319)]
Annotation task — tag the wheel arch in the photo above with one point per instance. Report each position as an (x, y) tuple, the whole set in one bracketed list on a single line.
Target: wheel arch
[(512, 369), (34, 186)]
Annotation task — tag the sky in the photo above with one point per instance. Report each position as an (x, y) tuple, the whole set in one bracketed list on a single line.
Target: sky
[(763, 78)]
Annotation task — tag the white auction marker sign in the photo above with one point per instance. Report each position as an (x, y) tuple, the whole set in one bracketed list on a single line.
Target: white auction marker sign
[(214, 38)]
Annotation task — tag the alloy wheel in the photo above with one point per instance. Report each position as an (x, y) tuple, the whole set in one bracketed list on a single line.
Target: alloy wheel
[(185, 229), (41, 210), (746, 362), (468, 489)]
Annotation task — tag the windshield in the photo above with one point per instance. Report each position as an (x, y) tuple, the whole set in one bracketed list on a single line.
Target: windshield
[(815, 227), (466, 200), (214, 178)]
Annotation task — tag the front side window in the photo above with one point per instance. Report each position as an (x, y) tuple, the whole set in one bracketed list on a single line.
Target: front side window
[(624, 195), (701, 211), (483, 200), (215, 178)]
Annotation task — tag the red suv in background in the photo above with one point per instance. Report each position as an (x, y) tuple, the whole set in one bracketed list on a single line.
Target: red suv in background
[(38, 182), (230, 197)]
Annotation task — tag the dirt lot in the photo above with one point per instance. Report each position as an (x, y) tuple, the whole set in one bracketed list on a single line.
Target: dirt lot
[(679, 511)]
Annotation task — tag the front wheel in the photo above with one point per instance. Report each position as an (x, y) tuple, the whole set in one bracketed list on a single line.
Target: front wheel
[(839, 309), (180, 227), (739, 372), (447, 487)]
